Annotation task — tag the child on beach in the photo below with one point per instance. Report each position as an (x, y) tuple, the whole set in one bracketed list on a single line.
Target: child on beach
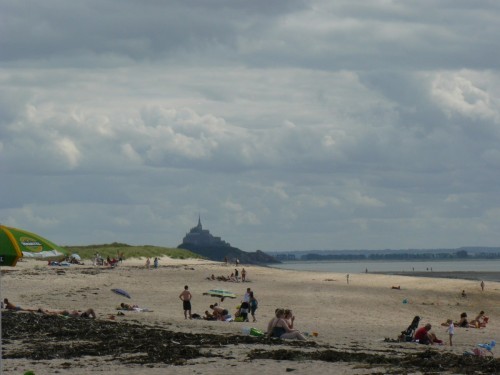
[(450, 330)]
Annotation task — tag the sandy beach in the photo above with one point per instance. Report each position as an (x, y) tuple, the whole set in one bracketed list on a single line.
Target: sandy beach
[(349, 318)]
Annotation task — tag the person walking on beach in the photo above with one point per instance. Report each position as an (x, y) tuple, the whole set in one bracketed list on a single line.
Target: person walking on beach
[(482, 285), (185, 297)]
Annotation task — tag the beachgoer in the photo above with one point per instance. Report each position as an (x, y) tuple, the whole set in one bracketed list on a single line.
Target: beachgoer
[(236, 275), (89, 313), (450, 330), (155, 263), (148, 263), (209, 316), (480, 320), (237, 262), (225, 260), (407, 335), (253, 305), (126, 306), (482, 285), (243, 311), (243, 275), (347, 277), (185, 297), (246, 297), (463, 294), (10, 306), (217, 311), (289, 318), (463, 322), (422, 335), (278, 328)]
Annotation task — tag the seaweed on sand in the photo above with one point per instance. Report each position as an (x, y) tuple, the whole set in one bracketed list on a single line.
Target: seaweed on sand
[(42, 337)]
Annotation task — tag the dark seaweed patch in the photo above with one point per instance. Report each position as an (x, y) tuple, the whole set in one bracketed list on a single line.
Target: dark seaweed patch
[(42, 337)]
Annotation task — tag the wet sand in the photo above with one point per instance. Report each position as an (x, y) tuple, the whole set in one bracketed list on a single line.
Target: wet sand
[(465, 275)]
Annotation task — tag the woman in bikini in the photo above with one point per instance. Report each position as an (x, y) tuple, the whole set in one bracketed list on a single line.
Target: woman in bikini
[(279, 328)]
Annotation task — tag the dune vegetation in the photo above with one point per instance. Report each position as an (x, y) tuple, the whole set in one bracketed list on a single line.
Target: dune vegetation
[(114, 249)]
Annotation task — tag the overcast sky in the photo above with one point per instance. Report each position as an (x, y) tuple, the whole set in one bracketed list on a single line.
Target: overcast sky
[(285, 124)]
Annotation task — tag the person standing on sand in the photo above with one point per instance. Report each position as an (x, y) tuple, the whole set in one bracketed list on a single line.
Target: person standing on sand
[(236, 274), (482, 285), (450, 330), (347, 277), (243, 275), (148, 263), (185, 297)]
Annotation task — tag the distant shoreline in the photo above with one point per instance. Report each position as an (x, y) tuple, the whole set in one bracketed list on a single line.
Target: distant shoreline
[(464, 275)]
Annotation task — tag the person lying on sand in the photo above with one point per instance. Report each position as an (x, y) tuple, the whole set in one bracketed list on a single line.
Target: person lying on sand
[(126, 306), (396, 287), (6, 304), (89, 313)]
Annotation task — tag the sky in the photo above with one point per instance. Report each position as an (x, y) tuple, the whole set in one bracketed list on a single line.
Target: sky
[(284, 124)]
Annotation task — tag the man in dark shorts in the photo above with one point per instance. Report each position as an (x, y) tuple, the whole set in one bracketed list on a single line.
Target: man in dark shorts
[(185, 297)]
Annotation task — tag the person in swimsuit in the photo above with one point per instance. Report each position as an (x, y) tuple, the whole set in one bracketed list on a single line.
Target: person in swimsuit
[(278, 328), (463, 322), (185, 297)]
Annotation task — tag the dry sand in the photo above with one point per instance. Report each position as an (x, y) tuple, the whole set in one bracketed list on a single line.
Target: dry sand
[(354, 317)]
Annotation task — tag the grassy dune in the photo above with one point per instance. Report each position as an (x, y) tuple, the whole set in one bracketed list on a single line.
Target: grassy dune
[(112, 250)]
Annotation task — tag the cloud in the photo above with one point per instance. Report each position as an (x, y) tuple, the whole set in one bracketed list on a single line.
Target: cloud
[(286, 124)]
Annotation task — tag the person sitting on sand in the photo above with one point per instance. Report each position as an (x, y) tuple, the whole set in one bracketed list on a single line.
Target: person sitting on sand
[(408, 333), (243, 311), (463, 322), (278, 327), (480, 320), (423, 336), (216, 311), (463, 294), (209, 316), (289, 318)]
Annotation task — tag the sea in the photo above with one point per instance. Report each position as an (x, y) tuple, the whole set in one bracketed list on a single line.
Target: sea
[(477, 265)]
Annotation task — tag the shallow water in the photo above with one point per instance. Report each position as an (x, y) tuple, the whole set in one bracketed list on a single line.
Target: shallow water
[(483, 265)]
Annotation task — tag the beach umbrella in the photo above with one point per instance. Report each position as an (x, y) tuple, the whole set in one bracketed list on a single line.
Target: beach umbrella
[(121, 292), (17, 243)]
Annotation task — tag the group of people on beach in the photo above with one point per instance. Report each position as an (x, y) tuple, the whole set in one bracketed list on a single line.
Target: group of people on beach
[(234, 277), (247, 306), (423, 335)]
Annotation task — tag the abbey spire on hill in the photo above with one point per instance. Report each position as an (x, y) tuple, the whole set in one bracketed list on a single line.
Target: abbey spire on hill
[(201, 242), (202, 237)]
